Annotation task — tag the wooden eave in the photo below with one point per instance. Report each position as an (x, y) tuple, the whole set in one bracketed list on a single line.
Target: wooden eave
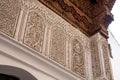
[(84, 21)]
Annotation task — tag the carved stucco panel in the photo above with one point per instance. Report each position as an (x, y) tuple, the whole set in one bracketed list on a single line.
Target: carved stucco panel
[(78, 58), (58, 30), (96, 68), (9, 12), (58, 45), (106, 57), (34, 32), (101, 67)]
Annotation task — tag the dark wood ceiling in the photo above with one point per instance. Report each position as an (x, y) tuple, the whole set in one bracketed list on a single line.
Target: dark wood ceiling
[(90, 16)]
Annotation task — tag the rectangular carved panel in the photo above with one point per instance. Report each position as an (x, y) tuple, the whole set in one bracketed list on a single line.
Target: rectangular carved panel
[(9, 11), (78, 58), (34, 32), (96, 69), (106, 62), (58, 45)]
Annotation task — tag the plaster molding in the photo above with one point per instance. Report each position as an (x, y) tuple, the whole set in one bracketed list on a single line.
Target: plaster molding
[(23, 54)]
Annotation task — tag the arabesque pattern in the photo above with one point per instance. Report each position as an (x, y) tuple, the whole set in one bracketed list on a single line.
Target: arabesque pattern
[(9, 12), (34, 32)]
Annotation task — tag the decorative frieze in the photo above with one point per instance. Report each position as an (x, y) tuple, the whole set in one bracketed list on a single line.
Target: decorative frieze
[(34, 31), (9, 12)]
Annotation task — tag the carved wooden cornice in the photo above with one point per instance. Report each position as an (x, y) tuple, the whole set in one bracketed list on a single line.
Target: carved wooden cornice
[(86, 15), (110, 4)]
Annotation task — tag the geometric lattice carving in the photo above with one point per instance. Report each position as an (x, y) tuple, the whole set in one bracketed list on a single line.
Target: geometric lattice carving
[(96, 69), (78, 61), (58, 45), (106, 62), (34, 32), (9, 10)]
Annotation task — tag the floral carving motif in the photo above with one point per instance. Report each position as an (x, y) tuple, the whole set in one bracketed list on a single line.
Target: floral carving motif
[(106, 62), (9, 10), (34, 31), (58, 45), (78, 63), (96, 69)]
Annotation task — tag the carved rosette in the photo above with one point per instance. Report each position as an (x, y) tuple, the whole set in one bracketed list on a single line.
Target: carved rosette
[(9, 11), (106, 62), (78, 61), (96, 68), (58, 45), (34, 32)]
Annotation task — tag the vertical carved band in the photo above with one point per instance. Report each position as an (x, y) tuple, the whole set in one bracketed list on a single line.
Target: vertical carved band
[(58, 45), (96, 69), (34, 32), (106, 62), (78, 61), (9, 11)]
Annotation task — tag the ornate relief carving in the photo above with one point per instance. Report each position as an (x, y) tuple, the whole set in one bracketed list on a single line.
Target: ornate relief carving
[(69, 12), (86, 15), (34, 32), (90, 7), (96, 69), (84, 5), (58, 45), (78, 61), (9, 10), (110, 3), (98, 9), (106, 62)]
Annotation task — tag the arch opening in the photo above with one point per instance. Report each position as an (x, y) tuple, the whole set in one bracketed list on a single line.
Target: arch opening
[(7, 77), (14, 73)]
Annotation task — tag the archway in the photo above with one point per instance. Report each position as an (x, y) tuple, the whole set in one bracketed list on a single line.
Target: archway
[(14, 72), (7, 77)]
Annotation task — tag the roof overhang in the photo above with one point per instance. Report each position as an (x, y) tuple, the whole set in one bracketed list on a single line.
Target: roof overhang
[(87, 16)]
